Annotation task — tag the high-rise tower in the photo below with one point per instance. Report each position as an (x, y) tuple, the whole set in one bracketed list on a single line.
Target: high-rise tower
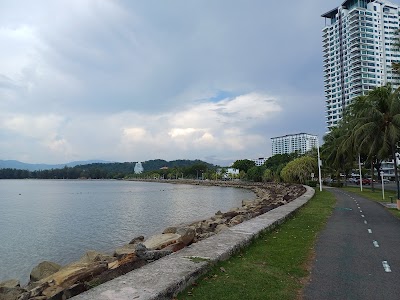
[(358, 51)]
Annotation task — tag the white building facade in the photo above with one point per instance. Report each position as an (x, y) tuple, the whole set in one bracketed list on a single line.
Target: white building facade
[(358, 51), (259, 161), (301, 142), (138, 169)]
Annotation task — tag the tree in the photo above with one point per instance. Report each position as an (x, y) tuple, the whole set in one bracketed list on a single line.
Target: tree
[(299, 170), (337, 152), (268, 175), (255, 174), (378, 125), (243, 164), (274, 162)]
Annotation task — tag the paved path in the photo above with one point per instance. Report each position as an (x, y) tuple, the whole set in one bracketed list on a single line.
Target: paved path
[(358, 253)]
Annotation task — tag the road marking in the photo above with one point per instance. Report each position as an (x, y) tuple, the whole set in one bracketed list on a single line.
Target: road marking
[(369, 230), (365, 222), (362, 216), (386, 266), (376, 244)]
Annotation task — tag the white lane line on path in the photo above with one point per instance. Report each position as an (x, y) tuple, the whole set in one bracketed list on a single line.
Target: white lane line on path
[(376, 244), (362, 216), (365, 222), (369, 230), (360, 211), (386, 266)]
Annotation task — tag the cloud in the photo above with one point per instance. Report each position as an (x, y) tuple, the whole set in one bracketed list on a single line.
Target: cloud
[(136, 80)]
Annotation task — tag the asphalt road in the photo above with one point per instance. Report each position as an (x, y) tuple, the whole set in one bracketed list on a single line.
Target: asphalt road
[(391, 186), (357, 254)]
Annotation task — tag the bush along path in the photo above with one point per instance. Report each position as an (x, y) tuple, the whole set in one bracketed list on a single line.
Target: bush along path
[(275, 266)]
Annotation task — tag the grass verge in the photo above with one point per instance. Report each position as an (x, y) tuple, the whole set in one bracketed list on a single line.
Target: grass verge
[(274, 266), (376, 196)]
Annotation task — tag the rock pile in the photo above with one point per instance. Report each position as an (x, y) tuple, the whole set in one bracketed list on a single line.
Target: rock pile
[(51, 281)]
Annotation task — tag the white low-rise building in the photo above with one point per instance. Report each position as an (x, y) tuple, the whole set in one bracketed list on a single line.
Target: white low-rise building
[(259, 161)]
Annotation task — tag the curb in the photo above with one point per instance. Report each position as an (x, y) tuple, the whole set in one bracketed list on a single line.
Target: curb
[(166, 277)]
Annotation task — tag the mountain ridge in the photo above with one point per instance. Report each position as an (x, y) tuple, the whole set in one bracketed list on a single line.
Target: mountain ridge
[(15, 164)]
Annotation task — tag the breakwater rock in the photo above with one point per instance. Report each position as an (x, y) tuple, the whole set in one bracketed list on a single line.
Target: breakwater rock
[(51, 281)]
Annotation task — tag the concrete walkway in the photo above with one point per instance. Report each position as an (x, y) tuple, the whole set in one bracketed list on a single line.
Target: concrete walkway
[(164, 278), (357, 255)]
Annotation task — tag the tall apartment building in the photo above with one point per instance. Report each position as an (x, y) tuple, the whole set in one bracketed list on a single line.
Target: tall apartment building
[(301, 142), (358, 42)]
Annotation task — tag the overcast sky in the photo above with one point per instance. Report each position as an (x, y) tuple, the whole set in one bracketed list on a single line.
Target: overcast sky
[(140, 80)]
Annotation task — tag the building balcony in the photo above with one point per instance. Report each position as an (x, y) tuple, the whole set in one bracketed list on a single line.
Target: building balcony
[(354, 55), (355, 66), (355, 33), (354, 48), (356, 41), (356, 61)]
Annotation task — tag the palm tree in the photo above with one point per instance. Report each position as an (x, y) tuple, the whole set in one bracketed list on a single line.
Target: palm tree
[(377, 124), (334, 152)]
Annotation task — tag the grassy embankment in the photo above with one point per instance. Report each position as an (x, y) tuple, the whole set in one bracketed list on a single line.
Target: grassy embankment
[(275, 265), (376, 196)]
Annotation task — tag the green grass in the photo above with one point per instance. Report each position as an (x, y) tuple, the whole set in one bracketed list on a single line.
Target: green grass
[(376, 196), (274, 266)]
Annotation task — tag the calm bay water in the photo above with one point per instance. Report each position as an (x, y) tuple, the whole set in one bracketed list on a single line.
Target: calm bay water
[(59, 220)]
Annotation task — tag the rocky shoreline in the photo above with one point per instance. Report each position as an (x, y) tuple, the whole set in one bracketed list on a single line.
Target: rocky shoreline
[(51, 281)]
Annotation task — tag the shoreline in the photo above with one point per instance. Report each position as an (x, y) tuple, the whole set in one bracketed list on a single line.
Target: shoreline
[(96, 268)]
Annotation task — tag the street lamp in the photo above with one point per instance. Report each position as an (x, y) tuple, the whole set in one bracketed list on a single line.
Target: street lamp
[(319, 168), (383, 186)]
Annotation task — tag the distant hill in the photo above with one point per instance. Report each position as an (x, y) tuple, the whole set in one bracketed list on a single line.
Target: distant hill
[(97, 170), (15, 164), (126, 167)]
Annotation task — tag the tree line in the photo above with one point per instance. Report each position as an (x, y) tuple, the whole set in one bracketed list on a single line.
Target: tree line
[(369, 131), (105, 170), (291, 168)]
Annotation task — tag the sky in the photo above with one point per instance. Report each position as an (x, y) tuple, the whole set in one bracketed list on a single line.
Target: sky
[(138, 80)]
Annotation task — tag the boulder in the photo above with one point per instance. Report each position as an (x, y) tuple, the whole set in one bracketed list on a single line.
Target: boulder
[(220, 228), (136, 240), (171, 229), (125, 250), (12, 283), (7, 293), (186, 235), (159, 241), (70, 275), (44, 269), (237, 220), (175, 247), (155, 254), (94, 256), (11, 290), (124, 260)]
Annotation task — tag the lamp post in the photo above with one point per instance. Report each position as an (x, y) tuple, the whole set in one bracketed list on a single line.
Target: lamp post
[(319, 168), (359, 168), (383, 186)]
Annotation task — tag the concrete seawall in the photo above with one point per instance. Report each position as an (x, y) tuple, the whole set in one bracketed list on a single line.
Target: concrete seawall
[(166, 277)]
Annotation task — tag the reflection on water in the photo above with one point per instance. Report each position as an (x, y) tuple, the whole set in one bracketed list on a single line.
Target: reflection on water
[(59, 220)]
